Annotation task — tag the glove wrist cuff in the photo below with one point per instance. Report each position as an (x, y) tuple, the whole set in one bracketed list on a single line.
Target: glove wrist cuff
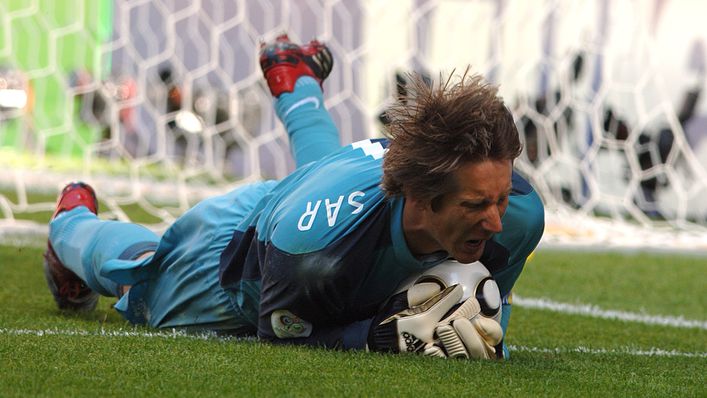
[(383, 338)]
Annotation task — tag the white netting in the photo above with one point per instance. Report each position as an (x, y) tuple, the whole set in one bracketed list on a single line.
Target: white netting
[(161, 103)]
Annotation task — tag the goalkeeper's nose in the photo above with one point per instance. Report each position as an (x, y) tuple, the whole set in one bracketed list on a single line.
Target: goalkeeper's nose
[(492, 220)]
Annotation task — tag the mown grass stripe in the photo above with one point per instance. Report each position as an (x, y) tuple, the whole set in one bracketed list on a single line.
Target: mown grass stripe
[(597, 312)]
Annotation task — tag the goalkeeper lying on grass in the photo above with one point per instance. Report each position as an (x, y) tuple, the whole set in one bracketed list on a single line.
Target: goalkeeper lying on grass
[(319, 257)]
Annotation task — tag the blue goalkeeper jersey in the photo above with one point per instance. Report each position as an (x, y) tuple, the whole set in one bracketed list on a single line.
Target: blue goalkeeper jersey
[(323, 249)]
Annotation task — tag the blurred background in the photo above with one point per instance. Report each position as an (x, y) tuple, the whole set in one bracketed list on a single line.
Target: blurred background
[(161, 103)]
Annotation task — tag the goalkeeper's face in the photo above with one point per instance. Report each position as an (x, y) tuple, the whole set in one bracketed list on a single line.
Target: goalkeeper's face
[(464, 220)]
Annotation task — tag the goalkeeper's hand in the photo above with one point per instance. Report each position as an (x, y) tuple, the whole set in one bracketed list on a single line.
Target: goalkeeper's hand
[(427, 327), (466, 333)]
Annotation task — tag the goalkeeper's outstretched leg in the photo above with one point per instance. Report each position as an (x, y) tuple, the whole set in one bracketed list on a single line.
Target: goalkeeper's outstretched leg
[(80, 244), (295, 75)]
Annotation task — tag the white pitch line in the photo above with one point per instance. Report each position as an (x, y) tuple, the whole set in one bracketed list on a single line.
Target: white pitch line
[(594, 311), (165, 334), (174, 333), (653, 352)]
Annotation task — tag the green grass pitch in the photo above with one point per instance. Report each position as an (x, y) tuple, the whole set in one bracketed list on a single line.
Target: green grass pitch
[(583, 324)]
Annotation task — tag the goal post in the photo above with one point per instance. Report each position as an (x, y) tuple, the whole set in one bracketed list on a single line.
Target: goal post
[(159, 104)]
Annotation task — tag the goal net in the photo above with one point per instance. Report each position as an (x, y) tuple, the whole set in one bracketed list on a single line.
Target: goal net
[(159, 104)]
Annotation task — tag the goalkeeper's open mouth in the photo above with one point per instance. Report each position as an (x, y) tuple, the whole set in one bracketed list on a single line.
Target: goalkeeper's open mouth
[(472, 244), (470, 250)]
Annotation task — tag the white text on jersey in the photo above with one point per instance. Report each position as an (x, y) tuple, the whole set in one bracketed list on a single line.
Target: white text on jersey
[(332, 210)]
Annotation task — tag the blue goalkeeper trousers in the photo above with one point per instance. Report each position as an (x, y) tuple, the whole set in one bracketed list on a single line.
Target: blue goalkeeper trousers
[(178, 285)]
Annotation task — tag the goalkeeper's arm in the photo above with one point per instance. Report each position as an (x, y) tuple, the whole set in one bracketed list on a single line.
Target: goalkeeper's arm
[(342, 337), (425, 319), (284, 327)]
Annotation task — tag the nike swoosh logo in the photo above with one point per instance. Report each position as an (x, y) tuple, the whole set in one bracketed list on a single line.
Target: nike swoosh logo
[(304, 101)]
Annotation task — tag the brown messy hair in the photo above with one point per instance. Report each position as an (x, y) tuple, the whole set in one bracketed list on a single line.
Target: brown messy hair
[(439, 129)]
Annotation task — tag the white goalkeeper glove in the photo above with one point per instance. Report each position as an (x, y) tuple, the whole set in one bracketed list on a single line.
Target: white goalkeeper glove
[(425, 328), (466, 333)]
